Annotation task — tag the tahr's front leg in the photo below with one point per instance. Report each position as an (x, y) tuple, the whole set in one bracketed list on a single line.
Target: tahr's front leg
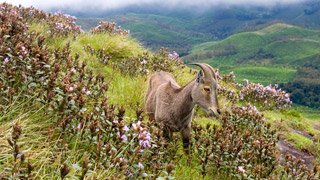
[(167, 134), (186, 133)]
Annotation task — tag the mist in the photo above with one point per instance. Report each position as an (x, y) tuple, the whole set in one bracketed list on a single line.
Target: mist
[(89, 5)]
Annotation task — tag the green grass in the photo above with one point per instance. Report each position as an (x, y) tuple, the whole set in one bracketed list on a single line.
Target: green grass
[(157, 31), (270, 55), (128, 92), (291, 119), (287, 52), (264, 75), (300, 141)]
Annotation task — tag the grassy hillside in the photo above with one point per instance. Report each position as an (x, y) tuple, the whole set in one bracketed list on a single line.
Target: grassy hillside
[(71, 107), (180, 28), (158, 30), (278, 50), (279, 53)]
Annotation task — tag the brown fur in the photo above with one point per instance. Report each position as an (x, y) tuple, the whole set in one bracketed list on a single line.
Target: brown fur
[(172, 106)]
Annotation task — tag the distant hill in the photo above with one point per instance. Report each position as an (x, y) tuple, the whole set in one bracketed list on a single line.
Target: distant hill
[(181, 28), (279, 53), (156, 31)]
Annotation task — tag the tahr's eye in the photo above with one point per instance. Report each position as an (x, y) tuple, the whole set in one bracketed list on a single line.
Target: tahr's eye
[(207, 89)]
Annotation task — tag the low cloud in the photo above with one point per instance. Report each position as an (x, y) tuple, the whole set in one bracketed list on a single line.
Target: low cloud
[(113, 4)]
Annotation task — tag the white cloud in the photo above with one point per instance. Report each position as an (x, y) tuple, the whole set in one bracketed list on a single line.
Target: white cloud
[(111, 4)]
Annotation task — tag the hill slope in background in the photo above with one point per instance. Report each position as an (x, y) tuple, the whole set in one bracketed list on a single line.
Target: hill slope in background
[(279, 53), (181, 28)]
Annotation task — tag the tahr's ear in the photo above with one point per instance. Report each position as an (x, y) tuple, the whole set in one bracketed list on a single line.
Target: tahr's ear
[(199, 76)]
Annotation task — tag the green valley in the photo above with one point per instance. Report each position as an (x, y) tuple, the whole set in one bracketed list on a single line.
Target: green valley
[(280, 53)]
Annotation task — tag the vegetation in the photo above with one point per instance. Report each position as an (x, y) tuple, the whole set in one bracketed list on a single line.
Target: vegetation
[(279, 53), (71, 108), (180, 28)]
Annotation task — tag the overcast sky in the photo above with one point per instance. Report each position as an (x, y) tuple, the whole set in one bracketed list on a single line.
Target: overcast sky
[(112, 4)]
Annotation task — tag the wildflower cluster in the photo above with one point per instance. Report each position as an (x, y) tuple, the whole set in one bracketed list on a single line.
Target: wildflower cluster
[(99, 53), (173, 55), (23, 56), (238, 151), (143, 64), (268, 97), (59, 24), (31, 14), (109, 27), (294, 168), (140, 65), (62, 24), (229, 78), (229, 93)]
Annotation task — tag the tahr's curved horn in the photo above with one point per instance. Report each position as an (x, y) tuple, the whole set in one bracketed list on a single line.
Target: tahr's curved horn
[(206, 70), (214, 75)]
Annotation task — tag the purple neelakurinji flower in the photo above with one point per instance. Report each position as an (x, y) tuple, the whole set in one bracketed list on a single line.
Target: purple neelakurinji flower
[(173, 55), (88, 93), (73, 70), (6, 60), (241, 96), (287, 100), (124, 138), (71, 88), (143, 62), (145, 139), (140, 165), (136, 126), (144, 143), (241, 169), (79, 127), (257, 142), (125, 128), (85, 91)]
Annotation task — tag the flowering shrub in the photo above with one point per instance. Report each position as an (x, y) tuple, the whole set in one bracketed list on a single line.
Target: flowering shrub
[(173, 55), (140, 65), (31, 14), (59, 24), (294, 168), (268, 97), (229, 93), (23, 56), (99, 53), (243, 147), (229, 78), (62, 24), (109, 27)]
